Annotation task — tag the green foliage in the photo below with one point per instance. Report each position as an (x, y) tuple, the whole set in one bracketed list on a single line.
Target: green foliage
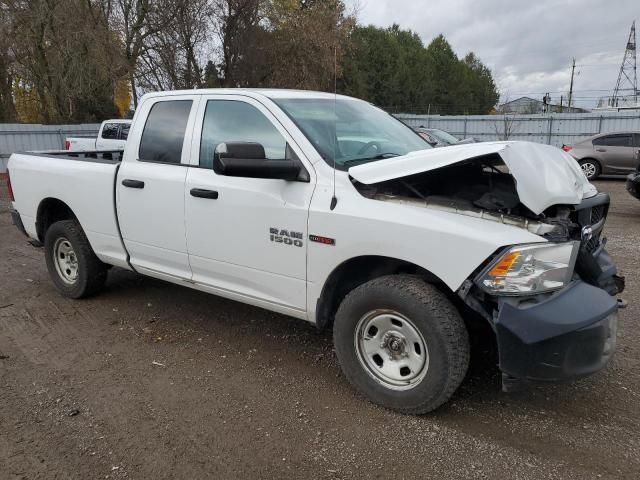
[(392, 68)]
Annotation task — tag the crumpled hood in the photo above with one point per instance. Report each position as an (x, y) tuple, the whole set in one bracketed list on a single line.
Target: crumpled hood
[(544, 175)]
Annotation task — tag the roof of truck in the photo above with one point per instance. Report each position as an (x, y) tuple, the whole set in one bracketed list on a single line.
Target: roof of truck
[(253, 92)]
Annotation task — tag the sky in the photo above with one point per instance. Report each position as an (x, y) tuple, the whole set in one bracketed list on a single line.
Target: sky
[(528, 45)]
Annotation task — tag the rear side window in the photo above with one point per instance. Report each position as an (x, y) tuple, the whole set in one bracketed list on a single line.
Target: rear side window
[(614, 141), (163, 133), (124, 131), (110, 131)]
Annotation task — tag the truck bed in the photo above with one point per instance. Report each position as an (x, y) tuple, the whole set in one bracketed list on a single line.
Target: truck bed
[(99, 156), (84, 181)]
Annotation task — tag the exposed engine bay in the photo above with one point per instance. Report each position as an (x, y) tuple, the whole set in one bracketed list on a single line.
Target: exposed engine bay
[(481, 187)]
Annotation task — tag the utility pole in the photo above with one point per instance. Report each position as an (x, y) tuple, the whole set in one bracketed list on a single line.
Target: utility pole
[(561, 99), (573, 69), (546, 100)]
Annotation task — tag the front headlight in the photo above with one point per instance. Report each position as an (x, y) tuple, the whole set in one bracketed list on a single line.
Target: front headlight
[(530, 269)]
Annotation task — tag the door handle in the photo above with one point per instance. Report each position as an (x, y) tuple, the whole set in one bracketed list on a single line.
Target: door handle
[(204, 193), (601, 149), (127, 182)]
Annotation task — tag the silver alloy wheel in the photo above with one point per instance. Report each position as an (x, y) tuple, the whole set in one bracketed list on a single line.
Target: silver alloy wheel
[(589, 169), (391, 349), (65, 261)]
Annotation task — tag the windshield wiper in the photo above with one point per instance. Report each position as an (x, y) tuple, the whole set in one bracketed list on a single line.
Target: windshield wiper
[(380, 156)]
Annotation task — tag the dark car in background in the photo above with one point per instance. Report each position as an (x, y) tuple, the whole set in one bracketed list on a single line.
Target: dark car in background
[(633, 183), (439, 138), (607, 153)]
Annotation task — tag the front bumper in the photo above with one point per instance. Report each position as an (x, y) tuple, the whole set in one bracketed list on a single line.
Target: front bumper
[(633, 184), (568, 335)]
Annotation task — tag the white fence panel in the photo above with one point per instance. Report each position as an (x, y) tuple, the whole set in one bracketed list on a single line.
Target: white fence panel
[(18, 137), (554, 129)]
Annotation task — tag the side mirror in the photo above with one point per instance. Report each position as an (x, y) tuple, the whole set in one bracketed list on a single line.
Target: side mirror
[(247, 159)]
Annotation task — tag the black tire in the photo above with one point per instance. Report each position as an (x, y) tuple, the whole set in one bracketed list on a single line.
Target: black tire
[(595, 168), (91, 272), (434, 317)]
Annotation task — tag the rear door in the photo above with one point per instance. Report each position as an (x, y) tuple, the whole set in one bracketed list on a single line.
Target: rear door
[(251, 239), (616, 152), (150, 186)]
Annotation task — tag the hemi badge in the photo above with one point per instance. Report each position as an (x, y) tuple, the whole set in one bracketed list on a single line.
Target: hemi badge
[(325, 240)]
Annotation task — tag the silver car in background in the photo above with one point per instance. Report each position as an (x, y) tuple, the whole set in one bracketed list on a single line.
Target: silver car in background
[(607, 153)]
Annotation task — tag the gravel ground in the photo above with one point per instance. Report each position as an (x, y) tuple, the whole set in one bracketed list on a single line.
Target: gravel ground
[(151, 380)]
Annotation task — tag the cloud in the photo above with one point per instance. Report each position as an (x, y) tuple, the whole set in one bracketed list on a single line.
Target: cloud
[(529, 46)]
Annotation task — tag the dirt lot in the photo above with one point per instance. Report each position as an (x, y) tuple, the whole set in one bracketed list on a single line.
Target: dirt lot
[(152, 380)]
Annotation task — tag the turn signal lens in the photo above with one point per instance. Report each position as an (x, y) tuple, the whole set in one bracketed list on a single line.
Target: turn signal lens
[(504, 265)]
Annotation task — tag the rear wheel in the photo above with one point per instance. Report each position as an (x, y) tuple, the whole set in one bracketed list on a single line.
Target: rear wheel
[(74, 268), (590, 168), (401, 343)]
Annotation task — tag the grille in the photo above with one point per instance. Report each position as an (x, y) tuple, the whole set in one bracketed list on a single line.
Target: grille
[(592, 244), (597, 213), (592, 212)]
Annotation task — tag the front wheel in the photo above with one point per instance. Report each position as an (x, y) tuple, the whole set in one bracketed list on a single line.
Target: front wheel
[(75, 269), (401, 343), (590, 168)]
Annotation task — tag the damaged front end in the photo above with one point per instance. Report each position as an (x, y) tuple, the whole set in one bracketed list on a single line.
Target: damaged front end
[(565, 331)]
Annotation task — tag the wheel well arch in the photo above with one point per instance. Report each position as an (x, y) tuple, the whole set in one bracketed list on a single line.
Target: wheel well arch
[(356, 271), (51, 210)]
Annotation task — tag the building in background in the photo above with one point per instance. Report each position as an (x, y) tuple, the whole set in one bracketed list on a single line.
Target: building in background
[(528, 105)]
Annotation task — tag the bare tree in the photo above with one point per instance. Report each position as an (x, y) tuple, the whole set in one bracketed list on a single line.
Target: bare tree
[(51, 72), (136, 21), (174, 57), (307, 44), (505, 127), (236, 24)]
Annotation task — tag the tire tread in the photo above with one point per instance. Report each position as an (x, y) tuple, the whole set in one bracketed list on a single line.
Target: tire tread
[(94, 276), (445, 318)]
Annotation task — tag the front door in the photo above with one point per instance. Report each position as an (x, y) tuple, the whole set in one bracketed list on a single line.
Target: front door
[(250, 237), (150, 187)]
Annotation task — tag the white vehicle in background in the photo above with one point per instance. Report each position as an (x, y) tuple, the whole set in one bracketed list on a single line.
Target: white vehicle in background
[(330, 210), (111, 136)]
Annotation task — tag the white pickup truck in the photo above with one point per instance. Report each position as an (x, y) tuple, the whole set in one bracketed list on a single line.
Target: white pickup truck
[(111, 136), (327, 209)]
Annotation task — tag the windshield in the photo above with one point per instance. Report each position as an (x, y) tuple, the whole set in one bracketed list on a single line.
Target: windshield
[(350, 131), (444, 137)]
